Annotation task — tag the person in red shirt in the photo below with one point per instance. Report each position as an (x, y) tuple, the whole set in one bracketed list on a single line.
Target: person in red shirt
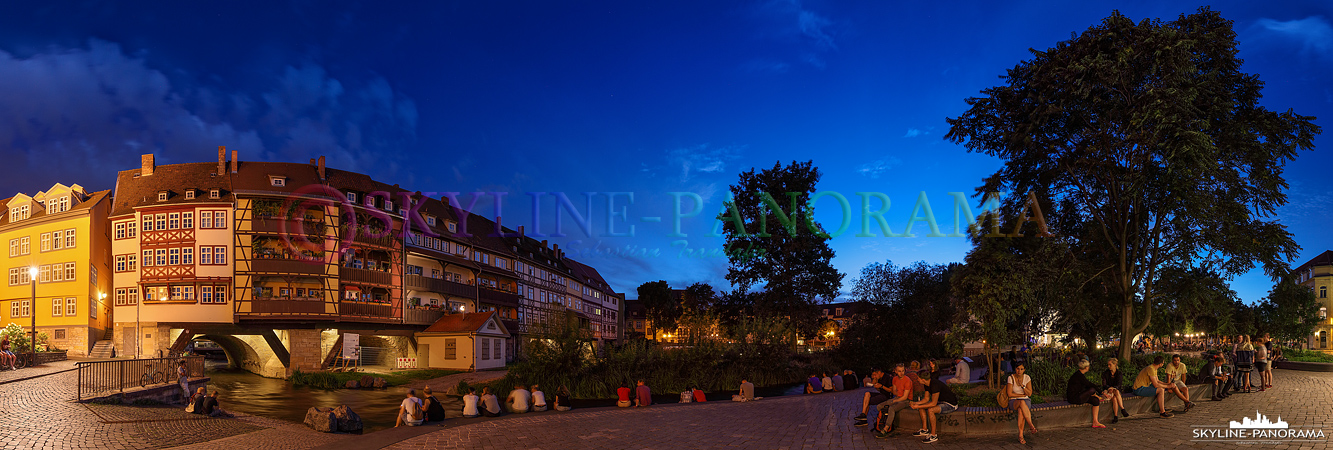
[(699, 395), (622, 396), (902, 396)]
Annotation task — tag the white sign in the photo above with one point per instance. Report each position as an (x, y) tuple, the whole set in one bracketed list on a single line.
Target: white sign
[(1260, 429), (407, 363), (351, 346)]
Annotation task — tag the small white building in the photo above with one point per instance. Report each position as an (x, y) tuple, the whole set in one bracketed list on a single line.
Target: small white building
[(468, 341)]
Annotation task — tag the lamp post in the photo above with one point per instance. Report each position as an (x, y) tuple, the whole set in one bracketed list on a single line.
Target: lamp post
[(32, 314), (138, 330)]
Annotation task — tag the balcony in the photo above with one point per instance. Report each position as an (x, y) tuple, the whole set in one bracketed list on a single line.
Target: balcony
[(499, 297), (422, 283), (298, 266), (370, 310), (364, 237), (422, 316), (366, 276), (276, 307)]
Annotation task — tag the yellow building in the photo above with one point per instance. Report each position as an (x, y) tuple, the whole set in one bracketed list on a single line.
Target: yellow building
[(63, 233), (1317, 274)]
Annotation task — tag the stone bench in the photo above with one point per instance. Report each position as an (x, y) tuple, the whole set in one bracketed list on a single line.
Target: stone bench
[(993, 420)]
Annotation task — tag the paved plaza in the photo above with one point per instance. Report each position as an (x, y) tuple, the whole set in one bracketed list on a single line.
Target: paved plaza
[(39, 414)]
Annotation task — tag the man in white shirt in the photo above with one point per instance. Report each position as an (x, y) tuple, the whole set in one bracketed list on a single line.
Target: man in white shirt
[(410, 412), (470, 404), (519, 399), (962, 373)]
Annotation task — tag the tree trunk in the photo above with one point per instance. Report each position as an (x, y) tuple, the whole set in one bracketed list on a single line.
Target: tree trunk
[(1126, 330)]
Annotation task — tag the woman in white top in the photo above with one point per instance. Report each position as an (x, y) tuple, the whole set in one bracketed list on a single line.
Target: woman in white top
[(538, 399), (1020, 389), (1261, 362), (470, 402)]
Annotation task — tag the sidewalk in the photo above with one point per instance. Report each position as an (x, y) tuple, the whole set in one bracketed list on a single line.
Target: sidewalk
[(10, 376)]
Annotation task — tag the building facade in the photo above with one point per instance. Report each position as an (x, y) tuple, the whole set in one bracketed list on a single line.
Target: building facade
[(1317, 274), (61, 233)]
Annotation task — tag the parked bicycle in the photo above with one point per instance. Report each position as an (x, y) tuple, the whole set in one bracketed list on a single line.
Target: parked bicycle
[(24, 359), (151, 376)]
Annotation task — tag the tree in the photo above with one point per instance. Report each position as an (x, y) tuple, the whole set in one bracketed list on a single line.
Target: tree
[(773, 241), (901, 313), (1192, 300), (1156, 137), (1290, 312), (660, 307)]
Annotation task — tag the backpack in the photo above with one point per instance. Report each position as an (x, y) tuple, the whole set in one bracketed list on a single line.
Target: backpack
[(415, 410)]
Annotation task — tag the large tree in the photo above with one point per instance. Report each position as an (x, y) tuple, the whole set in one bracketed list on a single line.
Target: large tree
[(660, 307), (1290, 312), (773, 241), (1156, 136), (900, 312)]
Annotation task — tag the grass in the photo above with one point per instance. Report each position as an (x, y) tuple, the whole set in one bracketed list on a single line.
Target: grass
[(337, 380)]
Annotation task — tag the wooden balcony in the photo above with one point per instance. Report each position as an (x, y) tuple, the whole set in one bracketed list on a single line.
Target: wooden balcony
[(381, 312), (498, 297), (386, 241), (282, 308), (292, 266), (366, 276), (442, 286), (421, 316)]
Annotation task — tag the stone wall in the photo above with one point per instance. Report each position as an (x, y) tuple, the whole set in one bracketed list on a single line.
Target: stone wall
[(304, 348), (75, 341)]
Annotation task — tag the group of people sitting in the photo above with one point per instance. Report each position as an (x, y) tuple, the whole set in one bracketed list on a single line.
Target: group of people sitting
[(417, 410), (919, 389), (205, 403), (839, 381)]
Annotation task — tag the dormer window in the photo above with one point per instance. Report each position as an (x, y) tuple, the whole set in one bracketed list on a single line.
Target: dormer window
[(430, 220), (214, 193), (453, 228), (19, 213), (162, 196), (351, 197), (388, 205), (277, 181), (370, 201), (189, 195)]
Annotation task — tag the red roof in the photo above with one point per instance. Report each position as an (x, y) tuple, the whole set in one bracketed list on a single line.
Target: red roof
[(464, 323)]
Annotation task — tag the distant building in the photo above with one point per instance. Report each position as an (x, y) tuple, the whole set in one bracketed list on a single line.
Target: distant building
[(842, 315), (636, 322), (1317, 274)]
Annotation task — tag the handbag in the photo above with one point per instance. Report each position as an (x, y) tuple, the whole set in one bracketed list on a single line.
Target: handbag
[(190, 407), (1002, 398)]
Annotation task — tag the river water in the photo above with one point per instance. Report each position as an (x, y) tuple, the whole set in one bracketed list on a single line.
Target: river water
[(245, 392)]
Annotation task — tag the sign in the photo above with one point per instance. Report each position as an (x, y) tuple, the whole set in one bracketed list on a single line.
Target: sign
[(1259, 430), (407, 363), (352, 346)]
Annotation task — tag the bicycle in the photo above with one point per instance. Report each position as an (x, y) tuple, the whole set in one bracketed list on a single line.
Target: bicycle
[(22, 360), (154, 377)]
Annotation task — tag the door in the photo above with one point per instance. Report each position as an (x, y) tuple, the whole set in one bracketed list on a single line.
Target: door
[(127, 346), (1323, 339)]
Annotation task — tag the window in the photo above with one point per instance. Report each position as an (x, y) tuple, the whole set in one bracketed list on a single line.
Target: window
[(57, 306), (69, 238), (388, 204), (219, 294), (219, 255), (14, 308), (120, 229), (120, 297), (206, 219), (13, 248), (26, 309), (213, 193), (485, 349), (161, 256), (205, 255), (187, 220), (205, 294), (187, 292), (57, 240), (189, 194), (838, 312), (121, 263), (453, 228), (45, 272), (69, 271), (133, 229), (161, 196), (451, 348), (147, 258), (219, 219), (173, 221), (161, 221), (174, 256), (133, 262), (70, 303), (46, 242), (176, 292), (370, 201), (430, 220), (19, 213), (1323, 291), (132, 296), (148, 222), (187, 256), (351, 197)]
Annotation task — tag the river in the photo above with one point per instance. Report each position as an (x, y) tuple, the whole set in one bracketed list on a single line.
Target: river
[(245, 392)]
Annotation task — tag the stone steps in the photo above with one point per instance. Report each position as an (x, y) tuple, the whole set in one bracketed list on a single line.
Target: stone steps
[(102, 349)]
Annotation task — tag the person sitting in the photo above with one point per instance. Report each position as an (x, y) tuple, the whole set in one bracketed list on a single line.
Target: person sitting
[(562, 399), (538, 399), (902, 398), (1006, 366), (1112, 379), (434, 409), (470, 404), (814, 385), (850, 381), (211, 406), (699, 394), (687, 396), (962, 374), (837, 382), (196, 402), (826, 382), (1020, 398), (1175, 376), (519, 400), (6, 356), (746, 393), (410, 411), (1080, 391), (939, 400), (1222, 381), (622, 396), (490, 403), (881, 394), (1146, 384), (643, 396)]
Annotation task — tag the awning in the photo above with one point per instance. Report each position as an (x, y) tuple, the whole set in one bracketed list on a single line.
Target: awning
[(351, 288)]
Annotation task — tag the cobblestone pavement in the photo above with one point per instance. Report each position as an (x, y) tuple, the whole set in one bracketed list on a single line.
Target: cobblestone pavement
[(824, 422), (40, 414), (7, 375)]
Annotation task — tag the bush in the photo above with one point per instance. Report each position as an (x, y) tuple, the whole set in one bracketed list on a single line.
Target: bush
[(1292, 354)]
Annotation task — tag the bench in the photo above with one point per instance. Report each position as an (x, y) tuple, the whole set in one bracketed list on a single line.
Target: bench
[(995, 420)]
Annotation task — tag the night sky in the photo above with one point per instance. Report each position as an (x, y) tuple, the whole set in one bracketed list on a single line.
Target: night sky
[(601, 97)]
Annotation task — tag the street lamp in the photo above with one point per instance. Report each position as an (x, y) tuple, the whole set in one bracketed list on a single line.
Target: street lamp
[(32, 314)]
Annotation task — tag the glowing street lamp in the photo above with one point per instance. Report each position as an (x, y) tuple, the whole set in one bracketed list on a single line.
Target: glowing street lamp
[(32, 313)]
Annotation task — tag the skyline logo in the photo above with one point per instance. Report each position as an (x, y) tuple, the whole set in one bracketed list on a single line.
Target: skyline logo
[(1260, 421), (1260, 429)]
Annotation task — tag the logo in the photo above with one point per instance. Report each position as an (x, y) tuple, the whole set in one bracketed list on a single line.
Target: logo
[(1260, 429)]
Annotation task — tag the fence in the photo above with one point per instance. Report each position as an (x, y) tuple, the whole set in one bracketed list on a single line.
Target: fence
[(102, 377)]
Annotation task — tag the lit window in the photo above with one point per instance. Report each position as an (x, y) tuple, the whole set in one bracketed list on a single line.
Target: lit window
[(187, 220), (57, 306), (70, 303), (214, 194), (161, 196)]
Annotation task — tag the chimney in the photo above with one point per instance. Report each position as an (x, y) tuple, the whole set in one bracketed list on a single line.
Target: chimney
[(222, 160), (233, 161), (321, 168), (544, 244), (147, 166), (520, 231)]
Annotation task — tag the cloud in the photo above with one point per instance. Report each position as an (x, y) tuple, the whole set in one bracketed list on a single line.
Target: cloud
[(815, 28), (874, 168), (912, 132), (812, 34), (1314, 34), (93, 110), (688, 163)]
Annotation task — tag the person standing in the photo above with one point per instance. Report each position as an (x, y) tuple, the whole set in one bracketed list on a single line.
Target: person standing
[(471, 403), (1261, 361), (643, 396), (434, 410), (410, 411), (183, 376)]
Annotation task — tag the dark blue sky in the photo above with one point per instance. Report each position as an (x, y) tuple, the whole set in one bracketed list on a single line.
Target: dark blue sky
[(580, 97)]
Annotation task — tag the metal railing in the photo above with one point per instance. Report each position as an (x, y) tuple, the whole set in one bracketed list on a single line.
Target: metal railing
[(103, 377)]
